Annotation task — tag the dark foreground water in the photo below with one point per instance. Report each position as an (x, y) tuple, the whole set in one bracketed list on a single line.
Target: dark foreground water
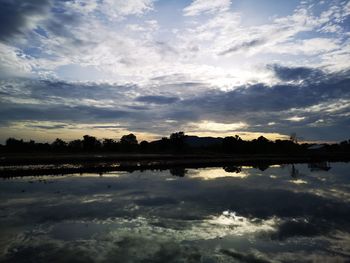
[(289, 213)]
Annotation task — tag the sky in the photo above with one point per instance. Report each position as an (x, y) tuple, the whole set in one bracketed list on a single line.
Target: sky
[(153, 67)]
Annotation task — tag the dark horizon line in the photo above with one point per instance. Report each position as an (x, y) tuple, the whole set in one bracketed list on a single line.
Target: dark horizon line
[(177, 142), (295, 140)]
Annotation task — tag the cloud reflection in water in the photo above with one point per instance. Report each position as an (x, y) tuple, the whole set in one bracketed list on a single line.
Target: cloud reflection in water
[(207, 215)]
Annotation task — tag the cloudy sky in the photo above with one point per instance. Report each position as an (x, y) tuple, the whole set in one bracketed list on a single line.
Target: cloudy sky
[(152, 67)]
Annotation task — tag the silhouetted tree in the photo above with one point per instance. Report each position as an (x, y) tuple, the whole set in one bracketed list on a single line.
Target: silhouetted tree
[(144, 146), (262, 139), (232, 144), (59, 145), (75, 145), (110, 145), (14, 144), (164, 144), (262, 145), (90, 143), (128, 142), (129, 139), (345, 145), (177, 140), (285, 146), (293, 137)]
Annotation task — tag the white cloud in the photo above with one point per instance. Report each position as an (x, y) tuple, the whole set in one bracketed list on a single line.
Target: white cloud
[(337, 60), (307, 47), (332, 106), (143, 49), (113, 9), (139, 51), (13, 62), (210, 126), (117, 9), (295, 119), (198, 7), (82, 5)]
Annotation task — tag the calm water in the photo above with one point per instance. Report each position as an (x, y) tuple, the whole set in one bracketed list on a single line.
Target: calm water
[(298, 213)]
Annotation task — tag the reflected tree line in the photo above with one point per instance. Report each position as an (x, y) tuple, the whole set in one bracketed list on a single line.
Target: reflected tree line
[(293, 170), (177, 142)]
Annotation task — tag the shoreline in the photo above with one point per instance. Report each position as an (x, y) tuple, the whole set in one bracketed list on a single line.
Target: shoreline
[(24, 165)]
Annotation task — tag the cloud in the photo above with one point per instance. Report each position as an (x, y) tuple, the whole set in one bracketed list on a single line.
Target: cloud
[(257, 105), (261, 97), (295, 118), (309, 47), (211, 126), (301, 228), (306, 96), (48, 127), (119, 8), (13, 63), (108, 126), (296, 73), (118, 58), (198, 7), (17, 17), (51, 34), (157, 99), (84, 35), (243, 257), (17, 112), (244, 46)]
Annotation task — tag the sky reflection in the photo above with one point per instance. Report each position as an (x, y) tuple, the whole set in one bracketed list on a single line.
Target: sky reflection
[(205, 215)]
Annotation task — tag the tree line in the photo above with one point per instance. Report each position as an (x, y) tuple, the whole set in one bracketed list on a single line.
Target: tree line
[(177, 142)]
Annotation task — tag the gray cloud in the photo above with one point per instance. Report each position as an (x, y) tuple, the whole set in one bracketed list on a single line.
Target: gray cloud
[(16, 16), (244, 46), (157, 99), (109, 127), (260, 97), (59, 90), (257, 105), (297, 73), (48, 127), (18, 112)]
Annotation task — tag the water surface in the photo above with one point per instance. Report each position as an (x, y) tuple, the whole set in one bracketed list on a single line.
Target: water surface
[(282, 213)]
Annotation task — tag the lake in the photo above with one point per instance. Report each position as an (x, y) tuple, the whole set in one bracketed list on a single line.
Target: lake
[(281, 213)]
